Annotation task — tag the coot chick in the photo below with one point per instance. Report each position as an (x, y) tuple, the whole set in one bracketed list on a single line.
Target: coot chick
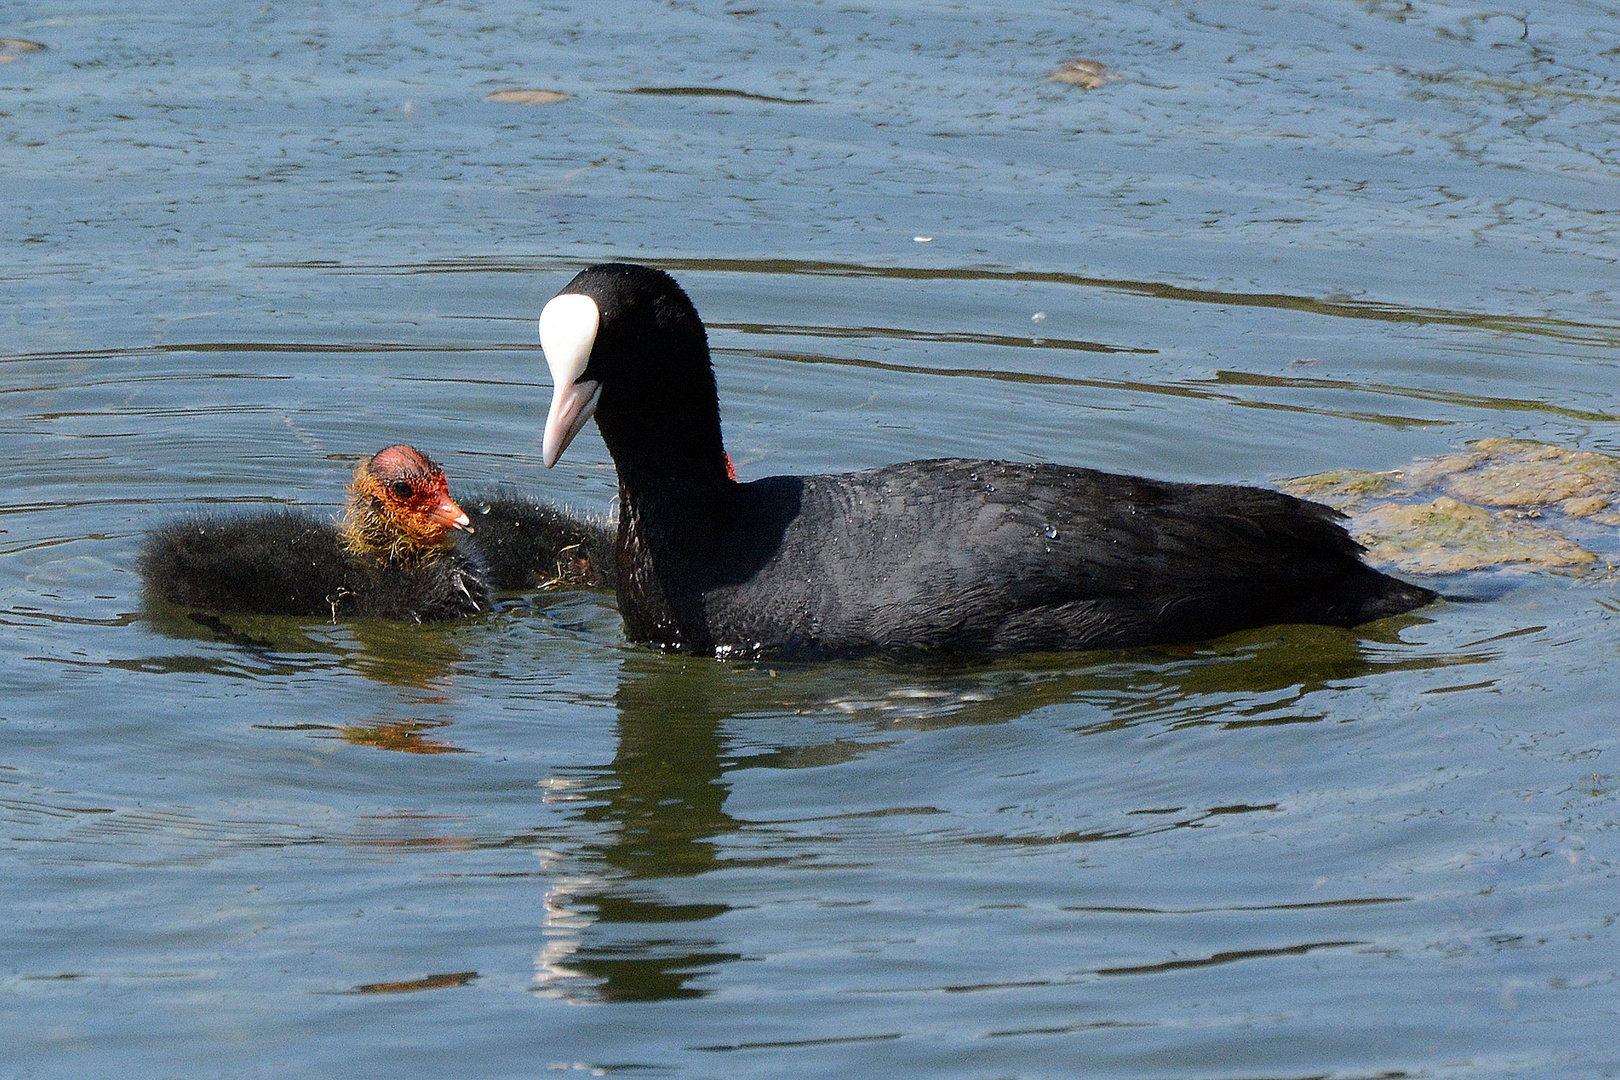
[(401, 551), (954, 555), (393, 556), (525, 544)]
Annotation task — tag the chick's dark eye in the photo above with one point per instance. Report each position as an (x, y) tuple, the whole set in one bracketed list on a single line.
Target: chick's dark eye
[(401, 489)]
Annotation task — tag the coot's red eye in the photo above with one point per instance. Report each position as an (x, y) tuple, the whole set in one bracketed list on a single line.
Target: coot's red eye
[(401, 489)]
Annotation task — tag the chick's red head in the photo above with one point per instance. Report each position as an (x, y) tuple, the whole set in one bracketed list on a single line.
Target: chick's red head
[(400, 506)]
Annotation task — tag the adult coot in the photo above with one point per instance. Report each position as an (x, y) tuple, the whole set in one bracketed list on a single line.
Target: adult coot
[(953, 555), (399, 552)]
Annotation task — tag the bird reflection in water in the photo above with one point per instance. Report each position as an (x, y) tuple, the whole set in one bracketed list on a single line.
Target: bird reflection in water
[(630, 917), (662, 797)]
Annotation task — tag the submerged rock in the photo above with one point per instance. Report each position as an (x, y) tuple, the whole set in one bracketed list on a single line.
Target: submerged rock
[(12, 49), (1499, 503), (1086, 74), (523, 95)]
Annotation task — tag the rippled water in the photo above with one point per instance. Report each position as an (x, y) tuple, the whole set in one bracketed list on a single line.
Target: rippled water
[(246, 245)]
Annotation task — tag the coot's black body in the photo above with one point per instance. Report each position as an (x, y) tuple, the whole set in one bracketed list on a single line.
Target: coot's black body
[(952, 555), (984, 557), (293, 563)]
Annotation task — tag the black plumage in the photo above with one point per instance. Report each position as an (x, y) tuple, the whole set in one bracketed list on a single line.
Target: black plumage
[(524, 544), (293, 563), (401, 551), (953, 555)]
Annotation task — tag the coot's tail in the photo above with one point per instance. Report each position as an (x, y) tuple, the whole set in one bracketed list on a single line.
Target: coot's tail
[(1370, 595)]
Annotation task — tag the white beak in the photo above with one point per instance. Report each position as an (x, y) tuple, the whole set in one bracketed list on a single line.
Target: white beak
[(568, 326)]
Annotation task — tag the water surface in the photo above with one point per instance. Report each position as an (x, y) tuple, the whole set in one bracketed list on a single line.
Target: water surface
[(246, 246)]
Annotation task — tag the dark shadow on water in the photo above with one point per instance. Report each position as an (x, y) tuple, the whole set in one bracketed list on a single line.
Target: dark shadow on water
[(1207, 389), (1587, 333), (714, 91)]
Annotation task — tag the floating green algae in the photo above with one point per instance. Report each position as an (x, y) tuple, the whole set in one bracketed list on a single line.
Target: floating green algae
[(1499, 503)]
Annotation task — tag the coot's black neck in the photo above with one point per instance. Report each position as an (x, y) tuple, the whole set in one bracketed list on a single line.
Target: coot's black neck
[(670, 538), (664, 423), (664, 446)]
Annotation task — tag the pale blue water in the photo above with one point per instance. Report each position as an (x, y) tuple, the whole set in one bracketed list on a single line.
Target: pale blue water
[(244, 245)]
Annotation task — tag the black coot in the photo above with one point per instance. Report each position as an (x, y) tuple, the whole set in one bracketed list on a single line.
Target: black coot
[(400, 551), (952, 555)]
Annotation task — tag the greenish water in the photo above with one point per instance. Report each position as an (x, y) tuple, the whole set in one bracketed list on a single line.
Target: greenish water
[(244, 246)]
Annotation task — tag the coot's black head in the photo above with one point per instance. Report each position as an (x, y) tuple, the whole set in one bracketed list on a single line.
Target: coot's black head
[(625, 344)]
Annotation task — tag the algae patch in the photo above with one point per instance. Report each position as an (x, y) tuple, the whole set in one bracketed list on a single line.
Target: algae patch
[(1501, 503)]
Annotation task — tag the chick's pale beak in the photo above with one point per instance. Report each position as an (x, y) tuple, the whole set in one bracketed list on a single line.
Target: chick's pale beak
[(448, 515)]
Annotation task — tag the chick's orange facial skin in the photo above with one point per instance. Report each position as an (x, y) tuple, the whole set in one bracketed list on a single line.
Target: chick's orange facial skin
[(400, 508)]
